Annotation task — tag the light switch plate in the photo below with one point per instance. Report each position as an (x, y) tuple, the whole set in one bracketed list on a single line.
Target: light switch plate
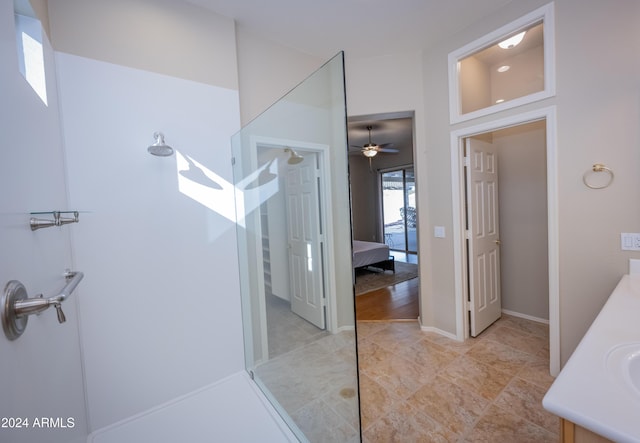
[(438, 231), (630, 241)]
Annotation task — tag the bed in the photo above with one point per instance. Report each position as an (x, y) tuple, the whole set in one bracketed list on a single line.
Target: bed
[(366, 253)]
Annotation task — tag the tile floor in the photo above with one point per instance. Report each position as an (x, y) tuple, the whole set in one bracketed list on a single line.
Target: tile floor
[(316, 385), (417, 386), (312, 375), (285, 330)]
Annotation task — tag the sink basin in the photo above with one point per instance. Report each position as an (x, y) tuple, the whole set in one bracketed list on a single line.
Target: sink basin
[(633, 370), (623, 364)]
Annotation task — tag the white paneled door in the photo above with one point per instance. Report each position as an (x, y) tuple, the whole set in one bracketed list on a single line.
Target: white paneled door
[(305, 240), (483, 235)]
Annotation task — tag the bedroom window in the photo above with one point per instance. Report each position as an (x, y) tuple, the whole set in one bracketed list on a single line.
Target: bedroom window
[(399, 209)]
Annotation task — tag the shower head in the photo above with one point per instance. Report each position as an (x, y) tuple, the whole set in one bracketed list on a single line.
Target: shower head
[(295, 158), (159, 147)]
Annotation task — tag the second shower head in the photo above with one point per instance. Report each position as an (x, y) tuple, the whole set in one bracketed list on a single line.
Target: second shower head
[(294, 157)]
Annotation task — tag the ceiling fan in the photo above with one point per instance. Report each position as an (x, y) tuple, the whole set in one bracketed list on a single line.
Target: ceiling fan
[(371, 149)]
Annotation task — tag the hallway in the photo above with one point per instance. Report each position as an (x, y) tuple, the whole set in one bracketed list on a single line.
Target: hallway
[(419, 386)]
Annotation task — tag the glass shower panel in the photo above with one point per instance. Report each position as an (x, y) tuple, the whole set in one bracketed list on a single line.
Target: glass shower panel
[(294, 241)]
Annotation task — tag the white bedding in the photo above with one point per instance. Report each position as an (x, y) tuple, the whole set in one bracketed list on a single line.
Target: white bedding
[(366, 253)]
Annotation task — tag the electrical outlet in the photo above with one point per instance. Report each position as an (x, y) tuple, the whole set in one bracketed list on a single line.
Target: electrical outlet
[(630, 241)]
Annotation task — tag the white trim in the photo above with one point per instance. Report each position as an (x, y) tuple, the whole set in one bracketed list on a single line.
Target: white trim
[(525, 316), (439, 332), (544, 13), (457, 175), (347, 328)]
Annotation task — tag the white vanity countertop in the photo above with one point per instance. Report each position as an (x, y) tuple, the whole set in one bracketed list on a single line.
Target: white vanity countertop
[(588, 391)]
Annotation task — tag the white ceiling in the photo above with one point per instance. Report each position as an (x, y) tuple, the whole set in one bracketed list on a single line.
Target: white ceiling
[(361, 28)]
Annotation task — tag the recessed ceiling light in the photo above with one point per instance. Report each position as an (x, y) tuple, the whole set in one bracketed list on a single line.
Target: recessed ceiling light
[(504, 68), (500, 100), (512, 42)]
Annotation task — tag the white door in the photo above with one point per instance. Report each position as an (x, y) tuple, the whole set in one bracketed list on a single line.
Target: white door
[(483, 234), (304, 232)]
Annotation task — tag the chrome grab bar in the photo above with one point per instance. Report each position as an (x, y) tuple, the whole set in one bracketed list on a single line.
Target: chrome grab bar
[(17, 307)]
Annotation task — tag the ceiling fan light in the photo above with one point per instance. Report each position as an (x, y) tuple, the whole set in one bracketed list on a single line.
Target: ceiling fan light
[(369, 152)]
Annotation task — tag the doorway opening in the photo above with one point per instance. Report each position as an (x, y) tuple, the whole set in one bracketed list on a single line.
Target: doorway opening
[(383, 191), (516, 227)]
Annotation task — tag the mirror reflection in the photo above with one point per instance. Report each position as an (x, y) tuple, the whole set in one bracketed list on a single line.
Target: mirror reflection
[(294, 237)]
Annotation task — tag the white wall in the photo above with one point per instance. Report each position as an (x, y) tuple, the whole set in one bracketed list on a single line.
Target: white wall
[(163, 314), (598, 115), (42, 368), (267, 71), (173, 38)]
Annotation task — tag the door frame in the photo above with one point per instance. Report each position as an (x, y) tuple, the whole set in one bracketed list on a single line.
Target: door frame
[(328, 261), (458, 198)]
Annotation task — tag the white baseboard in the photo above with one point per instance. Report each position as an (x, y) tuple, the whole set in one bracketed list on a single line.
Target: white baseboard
[(437, 331), (345, 329), (525, 316)]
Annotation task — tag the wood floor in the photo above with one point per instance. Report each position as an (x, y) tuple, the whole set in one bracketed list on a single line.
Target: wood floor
[(397, 302)]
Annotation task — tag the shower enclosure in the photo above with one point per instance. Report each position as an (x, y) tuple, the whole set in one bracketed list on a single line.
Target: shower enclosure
[(294, 247)]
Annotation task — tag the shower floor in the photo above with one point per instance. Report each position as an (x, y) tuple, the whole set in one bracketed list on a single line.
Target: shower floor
[(212, 413)]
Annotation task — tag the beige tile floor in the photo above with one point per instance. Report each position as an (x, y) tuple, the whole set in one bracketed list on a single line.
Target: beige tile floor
[(417, 386), (312, 375)]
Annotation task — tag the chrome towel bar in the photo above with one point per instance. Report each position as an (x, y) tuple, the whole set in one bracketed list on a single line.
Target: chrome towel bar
[(16, 305)]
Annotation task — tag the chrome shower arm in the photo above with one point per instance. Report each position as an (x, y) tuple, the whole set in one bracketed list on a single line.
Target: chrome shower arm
[(36, 305), (29, 306)]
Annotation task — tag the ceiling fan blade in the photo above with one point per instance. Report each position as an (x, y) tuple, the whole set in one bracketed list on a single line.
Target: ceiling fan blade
[(393, 150)]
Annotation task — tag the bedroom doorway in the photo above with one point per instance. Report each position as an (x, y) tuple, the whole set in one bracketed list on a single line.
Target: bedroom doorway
[(383, 198)]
